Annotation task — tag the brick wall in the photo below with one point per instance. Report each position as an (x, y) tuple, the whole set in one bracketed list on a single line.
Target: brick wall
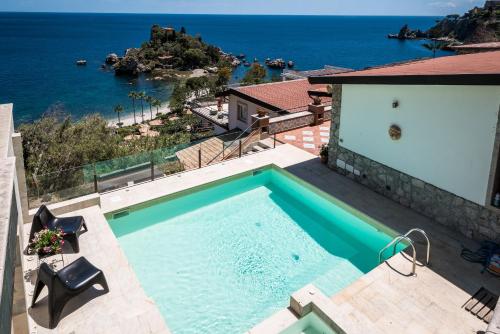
[(472, 220)]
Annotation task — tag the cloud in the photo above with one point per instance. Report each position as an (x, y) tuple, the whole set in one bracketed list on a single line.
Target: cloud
[(443, 4)]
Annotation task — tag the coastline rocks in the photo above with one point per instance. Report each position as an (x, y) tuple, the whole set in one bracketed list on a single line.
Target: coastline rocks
[(126, 66), (112, 59), (406, 33), (478, 25)]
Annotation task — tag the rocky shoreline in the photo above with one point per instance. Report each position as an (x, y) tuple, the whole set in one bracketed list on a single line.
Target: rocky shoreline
[(478, 25), (171, 54)]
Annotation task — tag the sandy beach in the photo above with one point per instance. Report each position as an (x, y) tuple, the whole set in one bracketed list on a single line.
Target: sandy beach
[(128, 118)]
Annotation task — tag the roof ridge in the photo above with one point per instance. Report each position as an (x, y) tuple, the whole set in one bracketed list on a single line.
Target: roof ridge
[(271, 83)]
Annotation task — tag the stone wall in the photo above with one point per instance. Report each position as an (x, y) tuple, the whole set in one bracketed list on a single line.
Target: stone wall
[(290, 122), (472, 220), (293, 121)]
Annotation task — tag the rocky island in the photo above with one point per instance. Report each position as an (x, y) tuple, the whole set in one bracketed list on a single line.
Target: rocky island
[(170, 53), (478, 25)]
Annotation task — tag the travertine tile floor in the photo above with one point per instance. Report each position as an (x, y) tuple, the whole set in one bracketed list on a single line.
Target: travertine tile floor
[(383, 301)]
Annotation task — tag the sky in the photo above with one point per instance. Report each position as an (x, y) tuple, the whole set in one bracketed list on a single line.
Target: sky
[(294, 7)]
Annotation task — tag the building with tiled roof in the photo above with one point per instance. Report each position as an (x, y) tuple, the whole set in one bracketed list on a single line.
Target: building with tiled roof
[(424, 133), (470, 69), (280, 97), (289, 104)]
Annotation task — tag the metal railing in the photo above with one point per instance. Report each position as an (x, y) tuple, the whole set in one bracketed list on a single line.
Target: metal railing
[(238, 139), (396, 241), (109, 175), (406, 237)]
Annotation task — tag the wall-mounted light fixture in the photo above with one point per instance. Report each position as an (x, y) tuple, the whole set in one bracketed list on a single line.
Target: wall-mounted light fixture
[(395, 132), (395, 104)]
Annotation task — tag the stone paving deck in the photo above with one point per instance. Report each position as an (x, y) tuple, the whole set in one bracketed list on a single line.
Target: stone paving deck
[(382, 301), (125, 309), (307, 138)]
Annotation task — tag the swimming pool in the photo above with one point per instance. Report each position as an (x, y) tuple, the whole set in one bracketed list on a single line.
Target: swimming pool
[(222, 257)]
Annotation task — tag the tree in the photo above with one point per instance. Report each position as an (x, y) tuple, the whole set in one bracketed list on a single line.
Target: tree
[(183, 31), (179, 97), (133, 96), (150, 100), (195, 58), (118, 111), (157, 104), (223, 77), (434, 46), (255, 75), (141, 96)]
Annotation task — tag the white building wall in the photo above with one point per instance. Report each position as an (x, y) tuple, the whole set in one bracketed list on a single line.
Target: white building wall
[(448, 132), (233, 113)]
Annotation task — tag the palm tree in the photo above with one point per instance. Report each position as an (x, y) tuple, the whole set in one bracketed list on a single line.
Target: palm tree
[(119, 110), (434, 46), (157, 104), (133, 96), (150, 100), (141, 96)]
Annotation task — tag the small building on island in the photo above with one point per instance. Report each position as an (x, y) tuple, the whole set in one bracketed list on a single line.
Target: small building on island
[(426, 134)]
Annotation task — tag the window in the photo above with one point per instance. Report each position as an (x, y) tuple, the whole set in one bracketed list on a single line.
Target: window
[(242, 112)]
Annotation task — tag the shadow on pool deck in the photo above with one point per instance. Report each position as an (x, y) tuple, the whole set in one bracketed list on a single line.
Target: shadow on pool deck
[(445, 260)]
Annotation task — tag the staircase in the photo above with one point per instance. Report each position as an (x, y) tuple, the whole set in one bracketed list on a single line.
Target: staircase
[(210, 148)]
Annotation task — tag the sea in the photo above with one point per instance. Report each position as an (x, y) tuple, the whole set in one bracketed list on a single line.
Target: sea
[(38, 52)]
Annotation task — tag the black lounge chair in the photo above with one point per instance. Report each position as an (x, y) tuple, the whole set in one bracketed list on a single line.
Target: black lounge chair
[(65, 284), (71, 226)]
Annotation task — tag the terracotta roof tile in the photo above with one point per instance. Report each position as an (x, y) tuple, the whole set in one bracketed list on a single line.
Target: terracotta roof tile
[(476, 63), (291, 96)]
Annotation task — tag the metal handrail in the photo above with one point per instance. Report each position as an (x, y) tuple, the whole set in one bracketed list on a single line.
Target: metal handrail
[(234, 141), (395, 241), (422, 232)]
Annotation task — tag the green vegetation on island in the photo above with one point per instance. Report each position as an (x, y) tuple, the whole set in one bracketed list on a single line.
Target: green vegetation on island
[(478, 25), (169, 53)]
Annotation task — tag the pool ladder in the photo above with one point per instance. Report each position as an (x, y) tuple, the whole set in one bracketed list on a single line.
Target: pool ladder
[(406, 237)]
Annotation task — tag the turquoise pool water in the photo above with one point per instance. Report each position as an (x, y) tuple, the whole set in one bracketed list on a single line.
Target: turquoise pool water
[(310, 324), (224, 257)]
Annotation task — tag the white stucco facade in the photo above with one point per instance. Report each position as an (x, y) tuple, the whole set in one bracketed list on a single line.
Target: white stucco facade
[(448, 132), (234, 122)]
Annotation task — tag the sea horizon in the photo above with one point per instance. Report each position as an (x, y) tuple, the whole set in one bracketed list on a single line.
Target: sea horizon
[(219, 14)]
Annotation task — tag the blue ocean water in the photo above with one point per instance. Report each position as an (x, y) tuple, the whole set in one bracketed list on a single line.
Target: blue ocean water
[(38, 51)]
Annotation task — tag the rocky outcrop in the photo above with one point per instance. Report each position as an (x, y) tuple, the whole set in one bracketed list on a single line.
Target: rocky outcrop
[(131, 64), (407, 33), (168, 50), (476, 26), (112, 59)]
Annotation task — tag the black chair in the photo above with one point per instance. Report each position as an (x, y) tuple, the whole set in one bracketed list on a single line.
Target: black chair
[(71, 226), (65, 284)]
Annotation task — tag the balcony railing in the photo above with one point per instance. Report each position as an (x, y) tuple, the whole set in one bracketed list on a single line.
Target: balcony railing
[(109, 175)]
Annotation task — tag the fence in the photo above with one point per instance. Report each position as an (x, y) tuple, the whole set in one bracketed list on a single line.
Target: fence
[(122, 172)]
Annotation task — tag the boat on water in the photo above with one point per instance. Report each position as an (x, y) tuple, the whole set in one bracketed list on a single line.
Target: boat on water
[(256, 60), (241, 56), (290, 64), (247, 64), (81, 62)]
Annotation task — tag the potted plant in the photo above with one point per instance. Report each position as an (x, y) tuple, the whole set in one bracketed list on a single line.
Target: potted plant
[(46, 242), (323, 153)]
